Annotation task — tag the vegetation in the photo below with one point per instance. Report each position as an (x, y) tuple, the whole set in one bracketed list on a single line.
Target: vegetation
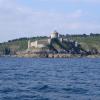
[(16, 45), (87, 42)]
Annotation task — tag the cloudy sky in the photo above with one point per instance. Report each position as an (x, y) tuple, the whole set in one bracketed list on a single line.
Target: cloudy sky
[(26, 18)]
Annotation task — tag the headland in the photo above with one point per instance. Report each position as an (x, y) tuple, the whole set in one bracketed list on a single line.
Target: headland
[(54, 46)]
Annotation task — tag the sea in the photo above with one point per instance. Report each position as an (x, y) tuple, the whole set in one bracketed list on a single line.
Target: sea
[(49, 79)]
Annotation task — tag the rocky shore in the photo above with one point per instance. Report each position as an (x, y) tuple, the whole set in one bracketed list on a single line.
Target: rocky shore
[(57, 56)]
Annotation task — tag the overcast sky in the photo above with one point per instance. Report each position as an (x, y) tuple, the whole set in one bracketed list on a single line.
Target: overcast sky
[(26, 18)]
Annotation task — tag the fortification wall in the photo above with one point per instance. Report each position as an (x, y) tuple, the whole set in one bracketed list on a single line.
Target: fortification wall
[(34, 44)]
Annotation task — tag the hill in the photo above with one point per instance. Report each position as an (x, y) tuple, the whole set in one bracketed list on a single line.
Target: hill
[(87, 42)]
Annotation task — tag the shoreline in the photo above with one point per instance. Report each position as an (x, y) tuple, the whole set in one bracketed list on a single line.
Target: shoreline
[(53, 56)]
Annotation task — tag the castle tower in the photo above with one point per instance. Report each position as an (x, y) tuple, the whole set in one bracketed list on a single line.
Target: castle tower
[(54, 35), (29, 44)]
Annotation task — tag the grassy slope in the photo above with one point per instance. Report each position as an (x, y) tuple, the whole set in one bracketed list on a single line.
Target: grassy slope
[(88, 42), (15, 45), (18, 44)]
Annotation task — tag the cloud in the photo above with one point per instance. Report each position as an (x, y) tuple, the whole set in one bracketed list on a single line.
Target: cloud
[(18, 20)]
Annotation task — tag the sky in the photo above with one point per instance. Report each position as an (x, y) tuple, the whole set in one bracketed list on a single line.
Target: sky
[(28, 18)]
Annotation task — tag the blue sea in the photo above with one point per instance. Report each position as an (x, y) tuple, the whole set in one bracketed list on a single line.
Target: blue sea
[(49, 79)]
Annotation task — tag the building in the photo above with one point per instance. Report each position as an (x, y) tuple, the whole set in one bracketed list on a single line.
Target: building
[(44, 42), (39, 43), (54, 35), (52, 44)]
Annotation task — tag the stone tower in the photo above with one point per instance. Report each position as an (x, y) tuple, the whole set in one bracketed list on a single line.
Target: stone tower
[(54, 35), (29, 44)]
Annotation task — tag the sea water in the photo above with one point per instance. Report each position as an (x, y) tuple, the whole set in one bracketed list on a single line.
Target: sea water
[(49, 79)]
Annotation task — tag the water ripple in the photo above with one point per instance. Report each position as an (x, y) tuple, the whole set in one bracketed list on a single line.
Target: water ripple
[(49, 79)]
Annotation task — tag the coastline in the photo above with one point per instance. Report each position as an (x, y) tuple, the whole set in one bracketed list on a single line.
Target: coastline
[(56, 56)]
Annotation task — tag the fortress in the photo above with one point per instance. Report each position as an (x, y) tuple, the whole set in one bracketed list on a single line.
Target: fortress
[(53, 44), (44, 42), (50, 46)]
